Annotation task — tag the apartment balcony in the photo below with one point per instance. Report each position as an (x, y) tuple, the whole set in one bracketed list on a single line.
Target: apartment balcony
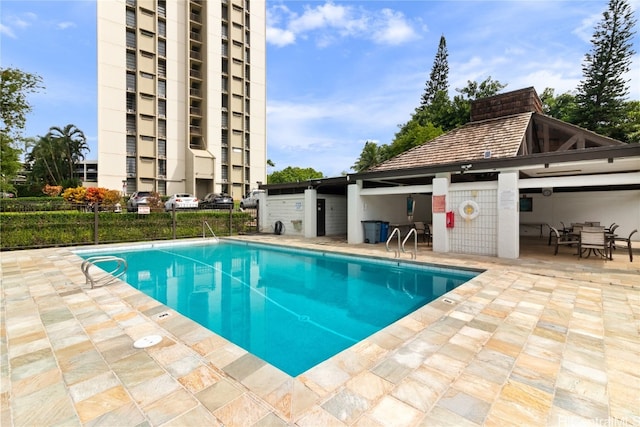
[(195, 92), (195, 130), (194, 54), (195, 36), (196, 111), (196, 17), (195, 73)]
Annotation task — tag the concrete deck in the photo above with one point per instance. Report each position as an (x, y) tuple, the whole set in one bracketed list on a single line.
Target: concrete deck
[(543, 340)]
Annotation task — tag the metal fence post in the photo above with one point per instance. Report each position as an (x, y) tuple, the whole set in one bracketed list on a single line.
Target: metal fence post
[(257, 216), (96, 209), (173, 222)]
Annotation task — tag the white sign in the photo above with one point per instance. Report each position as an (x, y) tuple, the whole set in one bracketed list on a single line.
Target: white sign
[(144, 210)]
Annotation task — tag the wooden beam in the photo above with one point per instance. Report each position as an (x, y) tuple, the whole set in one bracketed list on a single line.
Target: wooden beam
[(545, 138), (568, 143)]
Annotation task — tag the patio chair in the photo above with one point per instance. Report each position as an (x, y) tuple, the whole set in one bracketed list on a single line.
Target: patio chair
[(562, 239), (422, 230), (561, 231), (593, 240), (627, 240)]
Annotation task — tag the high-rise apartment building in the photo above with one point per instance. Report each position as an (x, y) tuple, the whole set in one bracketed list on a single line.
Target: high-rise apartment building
[(181, 95)]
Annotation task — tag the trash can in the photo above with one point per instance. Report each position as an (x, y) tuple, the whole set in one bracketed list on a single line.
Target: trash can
[(371, 231), (384, 231)]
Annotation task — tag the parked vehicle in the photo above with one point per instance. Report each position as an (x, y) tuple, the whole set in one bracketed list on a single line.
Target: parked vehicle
[(216, 201), (139, 198), (181, 201), (251, 200)]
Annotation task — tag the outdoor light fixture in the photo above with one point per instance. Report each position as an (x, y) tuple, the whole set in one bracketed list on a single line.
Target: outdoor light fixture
[(465, 168)]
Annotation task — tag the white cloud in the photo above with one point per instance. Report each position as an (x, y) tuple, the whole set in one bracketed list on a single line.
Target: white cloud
[(279, 37), (65, 25), (330, 22), (7, 31), (394, 29)]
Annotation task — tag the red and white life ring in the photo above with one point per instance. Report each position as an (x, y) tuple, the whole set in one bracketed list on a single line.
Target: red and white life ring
[(469, 209)]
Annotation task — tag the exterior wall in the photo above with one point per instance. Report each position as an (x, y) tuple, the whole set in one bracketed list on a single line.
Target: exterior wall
[(477, 236), (291, 209), (621, 207), (288, 209), (182, 165)]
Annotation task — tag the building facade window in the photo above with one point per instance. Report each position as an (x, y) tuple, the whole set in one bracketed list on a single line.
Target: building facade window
[(162, 148), (131, 18), (131, 82), (131, 39), (131, 61), (131, 145)]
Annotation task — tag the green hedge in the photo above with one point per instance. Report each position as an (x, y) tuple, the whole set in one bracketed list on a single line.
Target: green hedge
[(22, 230)]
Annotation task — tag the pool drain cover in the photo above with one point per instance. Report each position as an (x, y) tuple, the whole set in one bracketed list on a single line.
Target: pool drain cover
[(148, 341)]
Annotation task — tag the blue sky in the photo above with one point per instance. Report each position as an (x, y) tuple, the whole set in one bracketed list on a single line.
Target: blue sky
[(339, 73)]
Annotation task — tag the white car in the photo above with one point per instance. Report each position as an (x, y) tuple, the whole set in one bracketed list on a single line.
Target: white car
[(181, 201), (251, 200)]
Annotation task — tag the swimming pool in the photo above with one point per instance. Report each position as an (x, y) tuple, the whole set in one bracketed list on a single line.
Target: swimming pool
[(292, 308)]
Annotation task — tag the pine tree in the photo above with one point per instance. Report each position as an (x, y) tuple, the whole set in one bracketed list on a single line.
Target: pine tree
[(439, 77), (601, 95)]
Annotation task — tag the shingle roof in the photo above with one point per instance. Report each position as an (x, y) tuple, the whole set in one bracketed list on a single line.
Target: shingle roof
[(502, 136)]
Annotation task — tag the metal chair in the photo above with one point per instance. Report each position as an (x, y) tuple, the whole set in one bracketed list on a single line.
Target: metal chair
[(562, 239), (593, 240), (627, 240)]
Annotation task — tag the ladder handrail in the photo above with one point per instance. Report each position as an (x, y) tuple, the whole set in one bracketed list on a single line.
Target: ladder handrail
[(204, 222), (414, 253), (110, 276), (396, 251)]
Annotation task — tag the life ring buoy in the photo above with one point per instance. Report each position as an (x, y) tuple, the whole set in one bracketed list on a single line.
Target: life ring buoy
[(277, 228), (469, 209)]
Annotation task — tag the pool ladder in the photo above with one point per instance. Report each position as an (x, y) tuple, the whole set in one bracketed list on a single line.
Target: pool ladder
[(106, 277), (206, 224), (401, 246)]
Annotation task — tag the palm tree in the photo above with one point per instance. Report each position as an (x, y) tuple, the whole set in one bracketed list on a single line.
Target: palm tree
[(369, 157), (74, 143)]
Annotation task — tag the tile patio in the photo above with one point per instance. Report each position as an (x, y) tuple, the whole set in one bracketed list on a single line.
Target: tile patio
[(542, 340)]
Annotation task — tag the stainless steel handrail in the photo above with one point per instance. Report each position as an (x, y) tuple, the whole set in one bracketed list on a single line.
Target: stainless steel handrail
[(210, 229), (414, 253), (108, 276), (397, 251)]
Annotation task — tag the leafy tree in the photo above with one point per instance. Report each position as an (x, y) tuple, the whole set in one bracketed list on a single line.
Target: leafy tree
[(439, 77), (411, 135), (370, 156), (9, 163), (15, 85), (562, 107), (601, 94), (629, 128), (293, 174)]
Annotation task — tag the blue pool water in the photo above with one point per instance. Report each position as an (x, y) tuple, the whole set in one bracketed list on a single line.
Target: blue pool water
[(292, 308)]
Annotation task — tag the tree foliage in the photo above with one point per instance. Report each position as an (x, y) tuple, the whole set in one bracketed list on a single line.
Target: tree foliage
[(15, 86), (439, 77), (54, 157), (293, 174), (369, 157), (602, 92)]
